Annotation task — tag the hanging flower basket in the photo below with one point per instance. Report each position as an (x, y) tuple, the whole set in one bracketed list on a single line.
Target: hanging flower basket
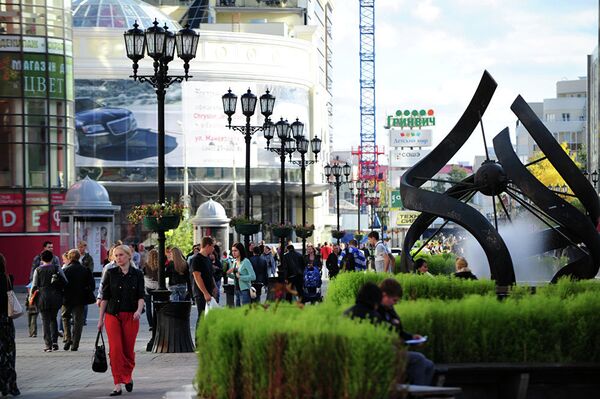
[(337, 234), (247, 229), (304, 231), (164, 223), (281, 232), (358, 237)]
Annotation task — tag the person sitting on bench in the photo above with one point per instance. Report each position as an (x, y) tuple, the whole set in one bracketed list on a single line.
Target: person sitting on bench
[(419, 369)]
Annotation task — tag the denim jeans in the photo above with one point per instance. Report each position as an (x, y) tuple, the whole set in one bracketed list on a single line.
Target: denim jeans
[(178, 292), (218, 296), (420, 370), (242, 297), (148, 302)]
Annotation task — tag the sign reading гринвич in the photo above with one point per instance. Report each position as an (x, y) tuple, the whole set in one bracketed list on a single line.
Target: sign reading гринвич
[(411, 119), (410, 138)]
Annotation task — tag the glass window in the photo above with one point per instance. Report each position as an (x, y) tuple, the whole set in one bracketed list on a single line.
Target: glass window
[(56, 31), (58, 160), (12, 219), (33, 15), (36, 165), (11, 165), (34, 2), (10, 28), (34, 30), (36, 134), (10, 133), (35, 109), (10, 78), (10, 112)]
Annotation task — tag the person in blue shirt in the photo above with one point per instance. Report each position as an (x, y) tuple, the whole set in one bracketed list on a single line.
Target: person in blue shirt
[(360, 262)]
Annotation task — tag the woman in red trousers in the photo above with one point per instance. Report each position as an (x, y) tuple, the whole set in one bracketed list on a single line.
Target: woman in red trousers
[(120, 310)]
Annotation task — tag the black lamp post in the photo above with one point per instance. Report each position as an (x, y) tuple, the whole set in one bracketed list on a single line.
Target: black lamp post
[(160, 45), (302, 147), (373, 197), (341, 175), (248, 101), (595, 178), (360, 186), (284, 133)]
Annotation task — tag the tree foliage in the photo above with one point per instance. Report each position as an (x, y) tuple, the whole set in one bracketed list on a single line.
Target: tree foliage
[(545, 172), (182, 237)]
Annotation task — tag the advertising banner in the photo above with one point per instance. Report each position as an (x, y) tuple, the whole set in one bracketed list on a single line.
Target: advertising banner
[(116, 123), (406, 158), (410, 138), (406, 218), (98, 236), (13, 214)]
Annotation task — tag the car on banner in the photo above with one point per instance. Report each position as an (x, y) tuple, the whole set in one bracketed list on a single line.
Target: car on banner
[(99, 126)]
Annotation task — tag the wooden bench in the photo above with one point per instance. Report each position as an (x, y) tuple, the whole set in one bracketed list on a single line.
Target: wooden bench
[(425, 391), (515, 380)]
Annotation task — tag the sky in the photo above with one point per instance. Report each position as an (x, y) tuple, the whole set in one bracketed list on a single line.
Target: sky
[(430, 54)]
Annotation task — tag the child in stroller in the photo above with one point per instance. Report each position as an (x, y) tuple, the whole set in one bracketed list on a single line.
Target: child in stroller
[(312, 285)]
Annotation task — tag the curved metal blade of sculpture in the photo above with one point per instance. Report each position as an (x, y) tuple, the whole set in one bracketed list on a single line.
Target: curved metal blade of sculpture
[(449, 206), (567, 225), (577, 228)]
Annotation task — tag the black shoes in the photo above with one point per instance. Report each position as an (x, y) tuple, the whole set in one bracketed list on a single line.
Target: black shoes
[(74, 349), (115, 393), (129, 386), (67, 345), (54, 347), (48, 350), (14, 391)]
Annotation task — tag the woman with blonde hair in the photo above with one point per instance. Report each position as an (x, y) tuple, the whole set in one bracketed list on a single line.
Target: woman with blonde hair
[(120, 309), (462, 269), (178, 273)]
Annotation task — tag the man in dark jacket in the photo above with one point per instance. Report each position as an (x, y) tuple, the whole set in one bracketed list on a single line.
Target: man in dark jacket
[(78, 292), (367, 303), (260, 270), (294, 266), (419, 369)]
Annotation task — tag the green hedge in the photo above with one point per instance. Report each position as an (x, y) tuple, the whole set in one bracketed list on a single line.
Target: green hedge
[(343, 289), (286, 352), (440, 263), (534, 328)]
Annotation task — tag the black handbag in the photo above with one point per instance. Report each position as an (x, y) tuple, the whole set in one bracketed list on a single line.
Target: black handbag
[(99, 363)]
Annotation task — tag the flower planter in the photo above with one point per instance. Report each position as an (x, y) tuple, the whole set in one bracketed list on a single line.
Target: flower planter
[(164, 223), (281, 232), (358, 237), (304, 233), (247, 229), (338, 234)]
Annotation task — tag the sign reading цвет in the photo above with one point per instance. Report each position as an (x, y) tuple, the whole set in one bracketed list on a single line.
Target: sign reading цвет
[(410, 138)]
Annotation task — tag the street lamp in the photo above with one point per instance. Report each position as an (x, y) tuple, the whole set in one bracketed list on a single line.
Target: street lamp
[(360, 186), (286, 146), (373, 197), (302, 144), (248, 102), (341, 175), (160, 44)]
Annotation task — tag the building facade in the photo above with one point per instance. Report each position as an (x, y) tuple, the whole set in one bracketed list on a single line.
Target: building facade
[(37, 126), (246, 46), (565, 117)]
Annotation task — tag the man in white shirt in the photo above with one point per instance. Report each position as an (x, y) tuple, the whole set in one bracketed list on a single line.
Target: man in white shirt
[(382, 260)]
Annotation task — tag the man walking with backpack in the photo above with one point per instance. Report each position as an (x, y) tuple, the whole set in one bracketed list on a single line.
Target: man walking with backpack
[(380, 252)]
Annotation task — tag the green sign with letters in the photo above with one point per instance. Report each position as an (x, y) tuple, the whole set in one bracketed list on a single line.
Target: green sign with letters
[(396, 200), (411, 119)]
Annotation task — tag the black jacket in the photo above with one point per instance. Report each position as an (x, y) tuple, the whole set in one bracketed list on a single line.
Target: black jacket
[(363, 311), (260, 269), (122, 291), (332, 265), (294, 264), (389, 315), (316, 263), (50, 296), (467, 275), (80, 283)]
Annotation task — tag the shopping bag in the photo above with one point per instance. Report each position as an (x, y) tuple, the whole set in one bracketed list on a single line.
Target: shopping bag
[(99, 363), (15, 310), (212, 304)]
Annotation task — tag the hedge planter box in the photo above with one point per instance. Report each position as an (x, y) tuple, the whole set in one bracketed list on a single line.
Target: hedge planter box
[(164, 223), (303, 233), (247, 229), (281, 232)]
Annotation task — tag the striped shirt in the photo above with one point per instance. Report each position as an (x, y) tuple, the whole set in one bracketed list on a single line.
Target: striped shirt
[(359, 258)]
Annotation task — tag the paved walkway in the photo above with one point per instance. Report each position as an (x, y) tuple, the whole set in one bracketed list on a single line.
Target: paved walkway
[(66, 374)]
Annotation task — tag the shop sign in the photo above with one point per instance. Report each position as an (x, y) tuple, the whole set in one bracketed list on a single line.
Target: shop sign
[(40, 77), (405, 158), (410, 138), (406, 218), (396, 199), (29, 44), (411, 119)]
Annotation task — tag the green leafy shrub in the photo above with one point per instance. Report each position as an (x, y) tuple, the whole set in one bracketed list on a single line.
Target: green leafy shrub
[(439, 263), (533, 328), (287, 352), (344, 288)]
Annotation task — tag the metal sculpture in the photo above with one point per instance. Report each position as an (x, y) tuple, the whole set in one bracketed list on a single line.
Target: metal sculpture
[(567, 226)]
